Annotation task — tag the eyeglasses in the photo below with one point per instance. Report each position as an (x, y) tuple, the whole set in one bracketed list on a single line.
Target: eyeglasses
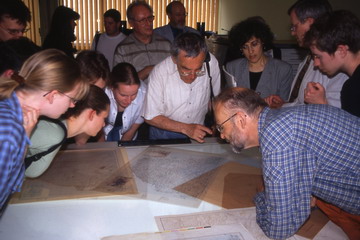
[(293, 27), (220, 127), (16, 31), (74, 100), (251, 45), (143, 21), (197, 73)]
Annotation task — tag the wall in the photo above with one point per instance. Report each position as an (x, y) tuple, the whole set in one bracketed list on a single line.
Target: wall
[(273, 11)]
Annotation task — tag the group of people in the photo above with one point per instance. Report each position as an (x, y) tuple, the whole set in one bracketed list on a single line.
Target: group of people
[(309, 140), (307, 128)]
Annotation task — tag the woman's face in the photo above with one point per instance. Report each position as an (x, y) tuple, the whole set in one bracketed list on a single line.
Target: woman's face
[(125, 94), (57, 103), (253, 50), (97, 122)]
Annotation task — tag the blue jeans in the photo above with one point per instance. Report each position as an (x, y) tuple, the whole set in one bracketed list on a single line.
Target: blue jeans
[(157, 133)]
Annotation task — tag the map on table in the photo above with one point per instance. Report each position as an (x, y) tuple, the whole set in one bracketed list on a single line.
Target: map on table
[(159, 171), (79, 174)]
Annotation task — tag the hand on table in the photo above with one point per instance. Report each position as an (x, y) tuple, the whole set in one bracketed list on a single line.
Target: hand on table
[(197, 132)]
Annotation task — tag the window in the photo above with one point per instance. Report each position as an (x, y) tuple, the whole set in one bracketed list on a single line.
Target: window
[(34, 25), (91, 12)]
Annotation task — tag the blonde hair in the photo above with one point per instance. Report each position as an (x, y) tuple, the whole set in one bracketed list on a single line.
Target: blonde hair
[(46, 70)]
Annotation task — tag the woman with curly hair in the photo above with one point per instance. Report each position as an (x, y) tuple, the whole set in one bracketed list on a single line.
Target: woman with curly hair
[(258, 71)]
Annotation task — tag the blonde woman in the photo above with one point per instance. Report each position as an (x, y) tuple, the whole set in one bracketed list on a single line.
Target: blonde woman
[(87, 117), (48, 84)]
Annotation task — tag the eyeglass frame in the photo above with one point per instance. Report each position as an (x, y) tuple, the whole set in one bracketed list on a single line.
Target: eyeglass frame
[(220, 127), (199, 73), (13, 32), (73, 100), (143, 21), (293, 27)]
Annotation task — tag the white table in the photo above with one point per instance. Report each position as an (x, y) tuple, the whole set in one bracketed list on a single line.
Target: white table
[(91, 219)]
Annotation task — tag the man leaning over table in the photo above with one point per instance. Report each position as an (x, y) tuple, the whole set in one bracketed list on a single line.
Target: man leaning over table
[(307, 151), (178, 94)]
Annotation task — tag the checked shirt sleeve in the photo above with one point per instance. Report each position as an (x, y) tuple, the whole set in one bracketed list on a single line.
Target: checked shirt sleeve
[(285, 204), (7, 156)]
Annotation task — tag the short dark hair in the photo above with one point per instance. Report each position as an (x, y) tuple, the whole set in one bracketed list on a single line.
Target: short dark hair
[(129, 13), (247, 100), (96, 99), (170, 5), (124, 73), (15, 9), (243, 31), (331, 30), (93, 65), (189, 42), (310, 9), (114, 14)]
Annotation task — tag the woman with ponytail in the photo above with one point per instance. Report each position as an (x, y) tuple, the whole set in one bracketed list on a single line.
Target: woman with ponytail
[(48, 83)]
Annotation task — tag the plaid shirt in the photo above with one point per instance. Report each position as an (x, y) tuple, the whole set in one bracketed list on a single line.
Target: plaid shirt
[(307, 150), (13, 141)]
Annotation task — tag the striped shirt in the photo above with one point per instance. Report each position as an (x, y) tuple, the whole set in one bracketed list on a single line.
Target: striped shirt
[(141, 55), (13, 141), (307, 150)]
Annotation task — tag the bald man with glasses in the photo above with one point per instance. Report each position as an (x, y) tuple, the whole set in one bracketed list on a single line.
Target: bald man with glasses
[(142, 48), (179, 91)]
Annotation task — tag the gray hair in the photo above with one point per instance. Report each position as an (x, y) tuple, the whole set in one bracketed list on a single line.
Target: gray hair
[(310, 9), (191, 43), (235, 99)]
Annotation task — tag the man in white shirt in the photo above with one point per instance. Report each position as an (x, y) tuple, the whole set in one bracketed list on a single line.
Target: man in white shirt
[(302, 14), (177, 15), (179, 91), (107, 42)]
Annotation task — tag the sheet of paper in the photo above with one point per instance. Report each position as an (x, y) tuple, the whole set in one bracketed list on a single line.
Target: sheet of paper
[(160, 170), (221, 232), (243, 216), (79, 174)]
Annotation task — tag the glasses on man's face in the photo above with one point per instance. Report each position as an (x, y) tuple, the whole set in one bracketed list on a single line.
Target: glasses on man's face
[(251, 45), (197, 73), (220, 127), (73, 100), (143, 21), (294, 27), (16, 31)]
